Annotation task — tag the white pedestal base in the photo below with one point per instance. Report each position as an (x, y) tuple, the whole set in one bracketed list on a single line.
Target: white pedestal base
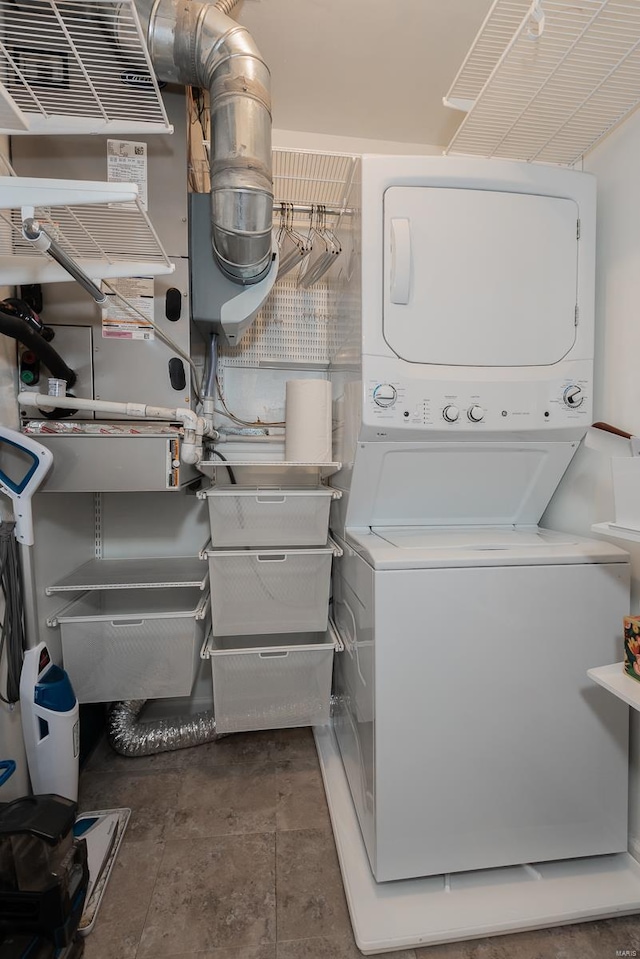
[(419, 912)]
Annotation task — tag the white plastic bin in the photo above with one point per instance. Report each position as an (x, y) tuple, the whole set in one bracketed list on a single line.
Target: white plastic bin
[(268, 517), (262, 682), (269, 590), (133, 644)]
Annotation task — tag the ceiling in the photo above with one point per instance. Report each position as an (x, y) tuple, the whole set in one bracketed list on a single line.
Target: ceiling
[(364, 68)]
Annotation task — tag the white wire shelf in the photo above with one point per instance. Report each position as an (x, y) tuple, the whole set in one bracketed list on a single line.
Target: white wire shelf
[(549, 90), (148, 573), (303, 177), (77, 66), (102, 226)]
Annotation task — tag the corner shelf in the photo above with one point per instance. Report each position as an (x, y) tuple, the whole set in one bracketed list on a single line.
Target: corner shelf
[(616, 532), (97, 224), (80, 67), (545, 82), (614, 679)]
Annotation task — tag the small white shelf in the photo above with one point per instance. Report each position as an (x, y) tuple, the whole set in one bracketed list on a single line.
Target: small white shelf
[(79, 66), (616, 532), (547, 90), (146, 573), (101, 226), (271, 468), (615, 680)]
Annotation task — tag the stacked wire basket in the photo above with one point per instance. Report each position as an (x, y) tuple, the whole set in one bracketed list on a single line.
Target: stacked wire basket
[(271, 646)]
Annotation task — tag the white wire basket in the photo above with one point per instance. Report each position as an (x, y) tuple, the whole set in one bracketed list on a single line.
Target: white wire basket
[(269, 517), (77, 66), (549, 90), (271, 682)]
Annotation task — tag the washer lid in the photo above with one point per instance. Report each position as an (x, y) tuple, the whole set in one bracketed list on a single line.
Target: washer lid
[(402, 547)]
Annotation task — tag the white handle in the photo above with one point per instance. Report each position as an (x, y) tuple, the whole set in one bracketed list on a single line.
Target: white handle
[(276, 653), (400, 260), (125, 623), (280, 558), (271, 498)]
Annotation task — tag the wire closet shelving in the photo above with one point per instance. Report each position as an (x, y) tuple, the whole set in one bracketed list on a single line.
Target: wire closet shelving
[(101, 226), (545, 81), (76, 66)]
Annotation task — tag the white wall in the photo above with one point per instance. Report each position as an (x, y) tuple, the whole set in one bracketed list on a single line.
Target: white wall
[(585, 494), (326, 142)]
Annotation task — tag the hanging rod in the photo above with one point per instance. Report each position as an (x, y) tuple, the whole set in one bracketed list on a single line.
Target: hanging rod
[(309, 208)]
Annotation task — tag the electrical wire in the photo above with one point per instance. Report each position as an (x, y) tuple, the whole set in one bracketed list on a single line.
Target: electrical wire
[(236, 419), (12, 632), (163, 336), (229, 469)]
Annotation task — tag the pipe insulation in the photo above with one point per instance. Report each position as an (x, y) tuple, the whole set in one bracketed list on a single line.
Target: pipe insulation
[(130, 736), (196, 44)]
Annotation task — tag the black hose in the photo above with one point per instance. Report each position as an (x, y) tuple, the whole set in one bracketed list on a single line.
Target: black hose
[(20, 330), (232, 475), (12, 626)]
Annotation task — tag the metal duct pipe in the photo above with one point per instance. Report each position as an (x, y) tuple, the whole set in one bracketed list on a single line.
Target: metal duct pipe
[(131, 737), (195, 43)]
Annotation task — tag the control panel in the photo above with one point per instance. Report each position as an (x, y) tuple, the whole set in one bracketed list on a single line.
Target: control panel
[(492, 406)]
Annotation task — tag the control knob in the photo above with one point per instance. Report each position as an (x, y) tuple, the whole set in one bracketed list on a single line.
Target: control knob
[(385, 395), (475, 414), (451, 413), (573, 396)]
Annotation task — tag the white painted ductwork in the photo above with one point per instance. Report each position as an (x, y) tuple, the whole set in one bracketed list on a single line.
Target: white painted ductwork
[(195, 43)]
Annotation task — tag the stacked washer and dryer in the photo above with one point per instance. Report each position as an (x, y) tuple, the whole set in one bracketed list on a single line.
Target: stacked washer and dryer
[(468, 732)]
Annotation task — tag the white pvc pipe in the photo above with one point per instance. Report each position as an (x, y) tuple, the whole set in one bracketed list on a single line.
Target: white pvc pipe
[(195, 426)]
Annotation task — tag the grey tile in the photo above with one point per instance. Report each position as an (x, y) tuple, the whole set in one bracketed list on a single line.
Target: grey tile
[(310, 896), (104, 759), (256, 747), (342, 947), (150, 796), (606, 937), (213, 894), (566, 942), (293, 744), (123, 910), (243, 952), (221, 800), (301, 800)]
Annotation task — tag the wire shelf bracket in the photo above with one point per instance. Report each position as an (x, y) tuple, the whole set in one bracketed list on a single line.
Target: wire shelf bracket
[(97, 224), (76, 67), (545, 81)]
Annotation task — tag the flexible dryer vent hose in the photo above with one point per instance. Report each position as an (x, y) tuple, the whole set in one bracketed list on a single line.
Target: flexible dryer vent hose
[(130, 736), (226, 5)]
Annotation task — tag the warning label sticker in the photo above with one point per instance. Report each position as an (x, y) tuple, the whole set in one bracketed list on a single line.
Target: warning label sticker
[(127, 163), (119, 320)]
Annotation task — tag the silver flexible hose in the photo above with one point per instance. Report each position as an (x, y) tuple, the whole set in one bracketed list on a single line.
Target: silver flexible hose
[(226, 5), (129, 736)]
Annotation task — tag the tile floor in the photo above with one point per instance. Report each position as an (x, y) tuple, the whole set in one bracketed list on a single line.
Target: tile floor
[(229, 855)]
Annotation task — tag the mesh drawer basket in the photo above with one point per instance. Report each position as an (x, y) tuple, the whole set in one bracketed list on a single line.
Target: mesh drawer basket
[(268, 517), (133, 644), (269, 591), (263, 682)]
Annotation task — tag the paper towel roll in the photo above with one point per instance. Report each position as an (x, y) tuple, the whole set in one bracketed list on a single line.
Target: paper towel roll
[(308, 421)]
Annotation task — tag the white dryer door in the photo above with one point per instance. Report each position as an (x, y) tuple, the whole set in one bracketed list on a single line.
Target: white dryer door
[(479, 278)]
